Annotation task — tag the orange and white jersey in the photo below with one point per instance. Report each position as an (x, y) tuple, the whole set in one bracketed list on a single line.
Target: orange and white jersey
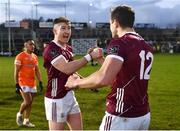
[(26, 76)]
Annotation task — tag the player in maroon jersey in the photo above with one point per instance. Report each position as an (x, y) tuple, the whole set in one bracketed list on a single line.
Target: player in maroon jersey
[(127, 70), (60, 104)]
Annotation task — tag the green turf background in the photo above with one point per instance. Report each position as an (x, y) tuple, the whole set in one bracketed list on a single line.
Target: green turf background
[(164, 96)]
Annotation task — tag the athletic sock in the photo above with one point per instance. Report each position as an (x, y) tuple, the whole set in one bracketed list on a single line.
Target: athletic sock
[(19, 114), (26, 120)]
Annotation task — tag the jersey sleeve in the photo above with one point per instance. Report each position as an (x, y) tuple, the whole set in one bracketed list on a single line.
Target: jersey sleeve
[(52, 54), (116, 50), (18, 59)]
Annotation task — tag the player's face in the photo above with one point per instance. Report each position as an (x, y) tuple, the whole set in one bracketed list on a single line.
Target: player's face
[(113, 28), (62, 32), (30, 46)]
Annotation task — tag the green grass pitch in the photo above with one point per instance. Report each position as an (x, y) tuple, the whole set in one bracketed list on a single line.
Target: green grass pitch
[(164, 96)]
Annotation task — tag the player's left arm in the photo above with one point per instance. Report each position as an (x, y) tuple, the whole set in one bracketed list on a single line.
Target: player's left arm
[(39, 76), (37, 70), (103, 77), (38, 73)]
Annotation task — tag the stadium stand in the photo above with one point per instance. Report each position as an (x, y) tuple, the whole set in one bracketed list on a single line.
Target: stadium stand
[(162, 40)]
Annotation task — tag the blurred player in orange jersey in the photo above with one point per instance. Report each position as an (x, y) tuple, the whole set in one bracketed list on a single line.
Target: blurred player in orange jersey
[(26, 67)]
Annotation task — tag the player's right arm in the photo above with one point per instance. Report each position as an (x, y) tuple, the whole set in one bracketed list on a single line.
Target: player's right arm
[(17, 67), (68, 68), (16, 72), (60, 63)]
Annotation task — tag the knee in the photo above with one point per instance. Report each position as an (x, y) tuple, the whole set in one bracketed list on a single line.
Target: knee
[(27, 103)]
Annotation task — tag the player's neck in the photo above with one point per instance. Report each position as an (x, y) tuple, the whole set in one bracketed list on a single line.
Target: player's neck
[(29, 52), (122, 32), (60, 43)]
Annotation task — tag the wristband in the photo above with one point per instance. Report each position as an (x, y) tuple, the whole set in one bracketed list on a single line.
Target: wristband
[(88, 57)]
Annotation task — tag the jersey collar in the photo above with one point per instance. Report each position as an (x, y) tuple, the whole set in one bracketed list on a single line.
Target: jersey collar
[(134, 33), (59, 44)]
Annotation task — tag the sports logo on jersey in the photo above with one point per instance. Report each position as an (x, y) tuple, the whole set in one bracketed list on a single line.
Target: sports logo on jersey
[(114, 49), (54, 53)]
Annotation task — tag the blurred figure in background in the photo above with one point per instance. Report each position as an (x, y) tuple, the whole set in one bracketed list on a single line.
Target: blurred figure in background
[(26, 68)]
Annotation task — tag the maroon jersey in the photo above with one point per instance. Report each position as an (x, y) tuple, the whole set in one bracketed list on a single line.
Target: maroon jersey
[(128, 96), (56, 78)]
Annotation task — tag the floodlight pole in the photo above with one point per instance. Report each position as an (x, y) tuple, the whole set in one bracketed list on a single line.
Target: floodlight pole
[(65, 9), (36, 11), (89, 13), (6, 11), (32, 26), (9, 28), (1, 43)]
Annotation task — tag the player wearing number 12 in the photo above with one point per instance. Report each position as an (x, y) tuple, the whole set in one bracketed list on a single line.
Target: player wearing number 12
[(126, 69)]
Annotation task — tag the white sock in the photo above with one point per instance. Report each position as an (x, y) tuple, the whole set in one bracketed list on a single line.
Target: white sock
[(19, 114), (26, 120)]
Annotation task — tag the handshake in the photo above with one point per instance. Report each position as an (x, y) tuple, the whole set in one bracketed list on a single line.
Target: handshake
[(94, 53)]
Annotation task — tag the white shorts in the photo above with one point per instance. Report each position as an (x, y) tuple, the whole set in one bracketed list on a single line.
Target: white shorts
[(112, 122), (29, 89), (57, 110)]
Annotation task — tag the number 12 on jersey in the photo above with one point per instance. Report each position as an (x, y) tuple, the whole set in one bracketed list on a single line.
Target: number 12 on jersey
[(144, 72)]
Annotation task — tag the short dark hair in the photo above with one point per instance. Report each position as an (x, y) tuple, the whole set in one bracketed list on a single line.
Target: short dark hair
[(124, 15), (27, 40), (60, 20)]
